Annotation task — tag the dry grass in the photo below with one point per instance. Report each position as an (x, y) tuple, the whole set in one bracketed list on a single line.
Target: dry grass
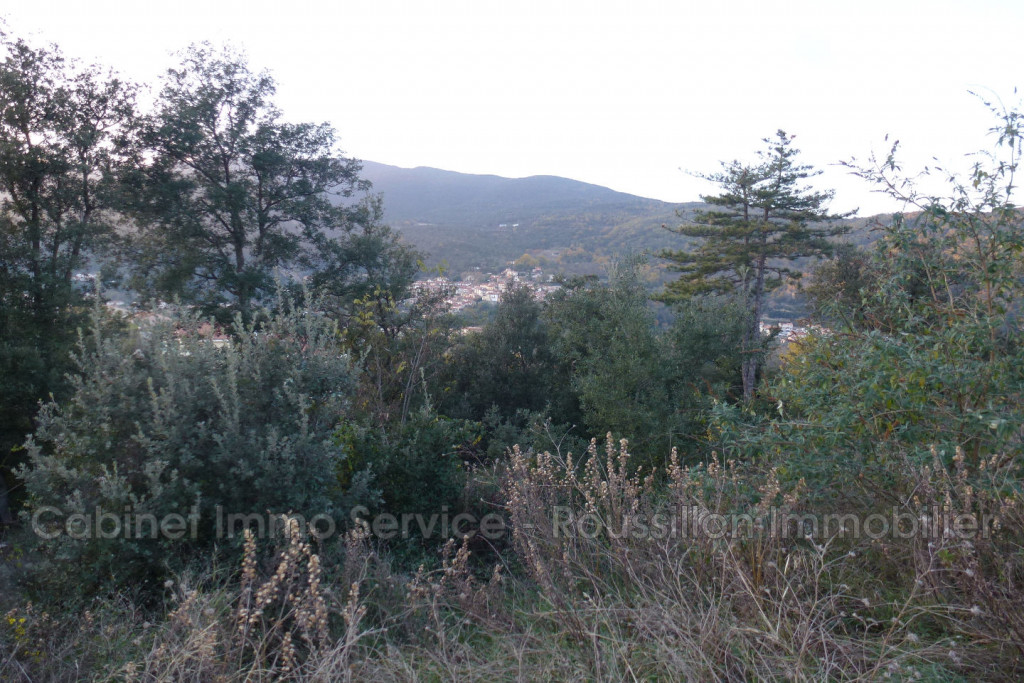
[(589, 606)]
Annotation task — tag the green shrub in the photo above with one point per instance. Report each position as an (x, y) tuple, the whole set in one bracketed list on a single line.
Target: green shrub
[(171, 422), (419, 465)]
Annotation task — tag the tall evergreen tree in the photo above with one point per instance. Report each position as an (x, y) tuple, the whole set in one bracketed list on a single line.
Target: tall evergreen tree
[(764, 219)]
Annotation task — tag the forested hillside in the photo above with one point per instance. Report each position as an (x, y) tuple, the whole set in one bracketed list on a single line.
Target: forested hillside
[(472, 221)]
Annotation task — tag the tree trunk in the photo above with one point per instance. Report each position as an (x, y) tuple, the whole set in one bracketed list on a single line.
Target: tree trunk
[(752, 338), (243, 286), (749, 379), (6, 519), (750, 361)]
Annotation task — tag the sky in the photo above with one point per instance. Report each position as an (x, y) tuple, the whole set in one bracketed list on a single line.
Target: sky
[(641, 96)]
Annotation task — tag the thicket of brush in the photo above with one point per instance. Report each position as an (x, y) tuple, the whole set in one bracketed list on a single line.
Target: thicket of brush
[(606, 601)]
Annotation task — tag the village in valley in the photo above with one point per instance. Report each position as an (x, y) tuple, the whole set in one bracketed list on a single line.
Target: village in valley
[(476, 286)]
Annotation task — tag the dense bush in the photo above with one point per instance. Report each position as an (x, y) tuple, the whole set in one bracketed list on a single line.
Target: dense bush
[(420, 465), (594, 358), (631, 377), (170, 419), (509, 365)]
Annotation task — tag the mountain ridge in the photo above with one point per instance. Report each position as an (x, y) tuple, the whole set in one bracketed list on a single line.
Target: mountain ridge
[(475, 220)]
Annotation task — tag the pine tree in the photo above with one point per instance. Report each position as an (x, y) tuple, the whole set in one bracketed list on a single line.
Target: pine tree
[(764, 219)]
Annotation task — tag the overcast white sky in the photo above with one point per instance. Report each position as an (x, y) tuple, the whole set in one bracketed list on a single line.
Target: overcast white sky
[(622, 94)]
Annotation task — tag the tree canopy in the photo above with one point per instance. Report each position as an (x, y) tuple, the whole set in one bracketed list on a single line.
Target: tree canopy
[(61, 125), (233, 192)]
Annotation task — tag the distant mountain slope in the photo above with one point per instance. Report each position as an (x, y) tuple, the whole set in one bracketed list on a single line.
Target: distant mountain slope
[(484, 220), (430, 195)]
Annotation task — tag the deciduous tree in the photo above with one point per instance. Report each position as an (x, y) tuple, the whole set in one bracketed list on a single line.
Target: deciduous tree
[(234, 194), (62, 129)]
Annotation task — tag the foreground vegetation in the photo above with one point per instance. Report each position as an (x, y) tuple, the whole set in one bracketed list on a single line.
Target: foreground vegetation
[(656, 558), (608, 607)]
